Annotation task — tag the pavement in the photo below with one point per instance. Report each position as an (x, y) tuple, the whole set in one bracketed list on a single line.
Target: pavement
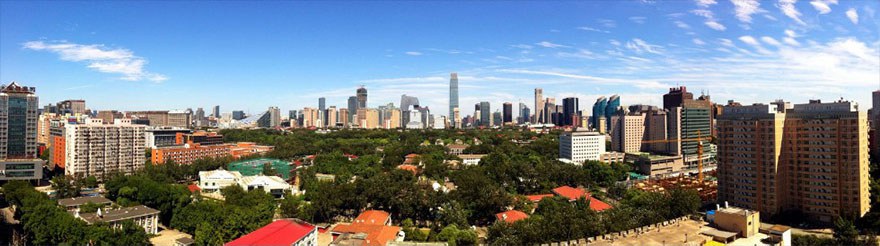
[(167, 237)]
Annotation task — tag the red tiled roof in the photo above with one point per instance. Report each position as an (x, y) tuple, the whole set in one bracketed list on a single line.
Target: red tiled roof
[(280, 232), (411, 156), (511, 216), (193, 188), (372, 217), (570, 192), (371, 222), (537, 198), (597, 205), (408, 167)]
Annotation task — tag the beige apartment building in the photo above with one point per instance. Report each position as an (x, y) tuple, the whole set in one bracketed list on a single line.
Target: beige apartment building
[(810, 157), (627, 132), (97, 149), (368, 118)]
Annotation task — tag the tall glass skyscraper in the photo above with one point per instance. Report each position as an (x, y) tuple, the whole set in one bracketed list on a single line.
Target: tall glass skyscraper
[(485, 114), (599, 111), (352, 108), (453, 98), (362, 97), (569, 111), (611, 109)]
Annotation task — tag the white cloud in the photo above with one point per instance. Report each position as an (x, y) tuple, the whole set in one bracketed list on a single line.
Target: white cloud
[(770, 41), (788, 8), (704, 13), (715, 25), (791, 41), (853, 15), (643, 84), (547, 44), (581, 53), (521, 46), (640, 46), (413, 53), (638, 19), (823, 5), (705, 3), (697, 41), (100, 58), (749, 40), (607, 23), (682, 25), (586, 28), (790, 33), (745, 8), (614, 42)]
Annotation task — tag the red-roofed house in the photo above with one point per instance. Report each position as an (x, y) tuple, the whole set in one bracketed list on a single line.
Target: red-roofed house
[(597, 205), (511, 216), (412, 159), (372, 227), (570, 192), (408, 167), (193, 188), (280, 232), (537, 198)]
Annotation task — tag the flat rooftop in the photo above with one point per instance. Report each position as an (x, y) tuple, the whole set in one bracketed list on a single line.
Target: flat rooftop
[(119, 214), (78, 201)]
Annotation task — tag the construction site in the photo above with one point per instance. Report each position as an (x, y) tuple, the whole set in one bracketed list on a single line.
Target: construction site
[(707, 188)]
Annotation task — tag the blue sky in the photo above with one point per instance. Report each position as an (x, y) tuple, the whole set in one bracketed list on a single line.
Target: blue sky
[(249, 56)]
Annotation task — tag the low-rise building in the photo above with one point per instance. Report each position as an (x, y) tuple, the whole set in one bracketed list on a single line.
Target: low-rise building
[(281, 232), (456, 149), (609, 157), (579, 146), (141, 215), (372, 227), (73, 204), (656, 165), (744, 222), (273, 185), (212, 181), (470, 159), (511, 216)]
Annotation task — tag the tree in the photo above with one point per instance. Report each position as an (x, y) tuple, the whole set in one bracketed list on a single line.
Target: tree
[(65, 187), (268, 170), (845, 232), (291, 207), (90, 207)]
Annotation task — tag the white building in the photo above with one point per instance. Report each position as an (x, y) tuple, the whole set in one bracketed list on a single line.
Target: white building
[(211, 181), (470, 159), (579, 146), (141, 215), (273, 185), (98, 149)]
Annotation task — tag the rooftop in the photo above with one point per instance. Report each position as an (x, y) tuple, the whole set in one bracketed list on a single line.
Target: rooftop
[(78, 201), (511, 216), (280, 232), (570, 192), (119, 214)]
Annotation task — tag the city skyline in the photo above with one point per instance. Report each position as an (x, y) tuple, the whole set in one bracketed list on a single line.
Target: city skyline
[(635, 49)]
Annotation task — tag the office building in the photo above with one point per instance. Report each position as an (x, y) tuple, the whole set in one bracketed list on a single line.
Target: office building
[(695, 121), (524, 113), (322, 112), (570, 112), (72, 107), (549, 110), (456, 114), (368, 118), (274, 117), (216, 111), (292, 115), (811, 157), (496, 119), (485, 114), (162, 136), (352, 109), (407, 104), (238, 115), (627, 131), (507, 118), (98, 149), (611, 109), (18, 133), (362, 97), (539, 106), (579, 146), (599, 113), (331, 117), (309, 117), (343, 117), (453, 98), (177, 118), (393, 119)]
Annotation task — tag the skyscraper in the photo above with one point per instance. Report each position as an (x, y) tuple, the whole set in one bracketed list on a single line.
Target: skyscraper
[(274, 117), (407, 104), (322, 112), (485, 114), (611, 108), (507, 113), (217, 111), (569, 111), (524, 113), (362, 97), (811, 158), (453, 98), (599, 112), (352, 109), (237, 115), (539, 106), (18, 124)]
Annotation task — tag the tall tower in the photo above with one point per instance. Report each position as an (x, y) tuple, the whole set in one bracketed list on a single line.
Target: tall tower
[(322, 111), (217, 111), (18, 126), (569, 111), (539, 106), (507, 113), (362, 97), (352, 108), (453, 98)]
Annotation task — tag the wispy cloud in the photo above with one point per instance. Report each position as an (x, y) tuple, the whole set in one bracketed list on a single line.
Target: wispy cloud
[(586, 28), (682, 25), (607, 23), (823, 6), (100, 58), (521, 46), (548, 44), (697, 41), (638, 19), (705, 3), (745, 9), (788, 8), (853, 16), (715, 25), (640, 46), (711, 22), (587, 78), (413, 53)]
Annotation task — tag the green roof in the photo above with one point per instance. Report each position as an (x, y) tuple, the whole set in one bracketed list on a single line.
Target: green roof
[(255, 167)]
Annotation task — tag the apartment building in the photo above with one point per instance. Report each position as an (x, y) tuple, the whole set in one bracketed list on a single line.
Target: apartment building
[(579, 146), (811, 157), (98, 149)]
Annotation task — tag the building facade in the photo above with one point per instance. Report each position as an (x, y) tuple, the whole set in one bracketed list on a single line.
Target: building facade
[(580, 146), (18, 133), (97, 149), (453, 98)]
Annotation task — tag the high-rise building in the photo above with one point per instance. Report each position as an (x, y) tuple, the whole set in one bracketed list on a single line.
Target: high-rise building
[(362, 97), (695, 118), (599, 113), (322, 112), (393, 119), (539, 106), (496, 119), (310, 117), (508, 113), (570, 112), (549, 110), (456, 114), (368, 118), (874, 120), (72, 107), (453, 98), (274, 117), (177, 118), (352, 109), (627, 131), (217, 111), (812, 158), (331, 117), (237, 115), (200, 120), (97, 149), (579, 146), (18, 133), (110, 115), (292, 115), (407, 104), (343, 117), (485, 114), (524, 113), (611, 108)]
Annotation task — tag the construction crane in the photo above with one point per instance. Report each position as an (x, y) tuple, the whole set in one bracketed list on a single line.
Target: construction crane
[(699, 139)]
